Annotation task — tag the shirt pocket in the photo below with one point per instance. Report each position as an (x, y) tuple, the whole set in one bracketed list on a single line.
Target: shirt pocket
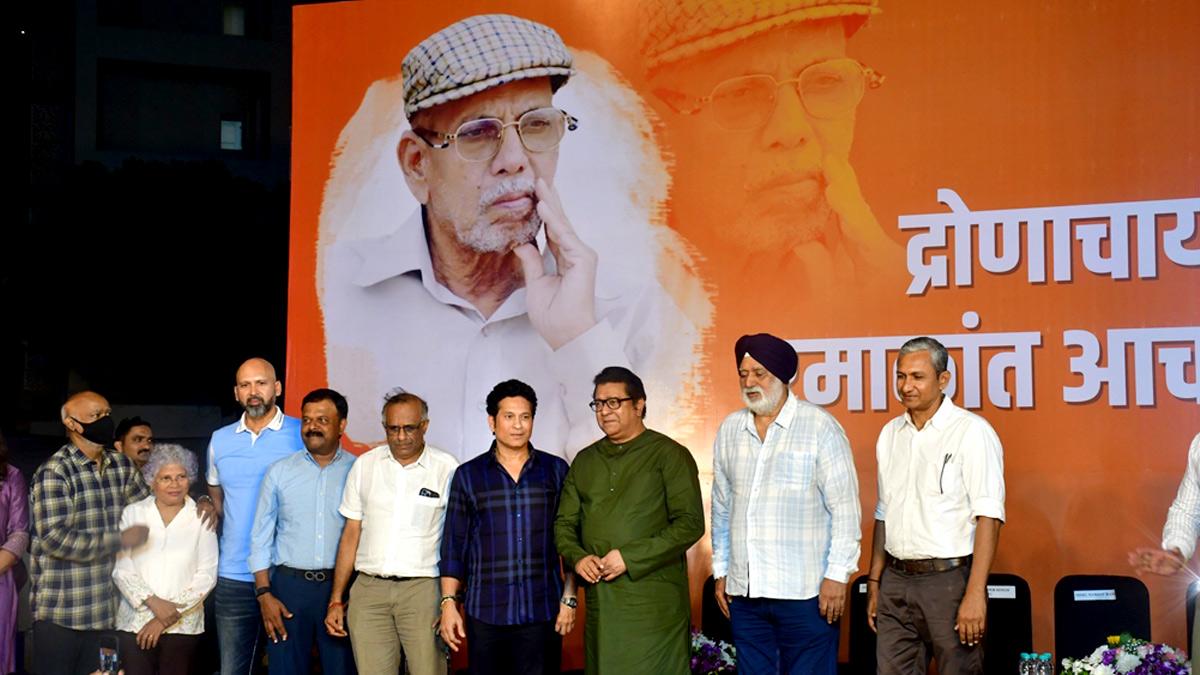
[(942, 477), (794, 470), (426, 512)]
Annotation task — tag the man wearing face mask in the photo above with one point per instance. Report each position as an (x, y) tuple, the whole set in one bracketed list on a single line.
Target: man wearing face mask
[(76, 499)]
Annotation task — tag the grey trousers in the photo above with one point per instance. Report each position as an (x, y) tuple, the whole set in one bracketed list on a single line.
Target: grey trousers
[(915, 621)]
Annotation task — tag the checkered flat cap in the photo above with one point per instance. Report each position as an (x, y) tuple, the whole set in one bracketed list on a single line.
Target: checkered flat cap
[(673, 30), (478, 53)]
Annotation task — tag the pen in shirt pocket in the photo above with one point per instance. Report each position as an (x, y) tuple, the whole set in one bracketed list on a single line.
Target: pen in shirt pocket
[(426, 492), (945, 461)]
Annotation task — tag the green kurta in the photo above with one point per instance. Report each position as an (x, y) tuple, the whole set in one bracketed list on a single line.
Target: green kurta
[(642, 498)]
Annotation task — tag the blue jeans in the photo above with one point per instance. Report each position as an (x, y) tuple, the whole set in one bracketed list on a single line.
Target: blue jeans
[(239, 626), (782, 636), (307, 601)]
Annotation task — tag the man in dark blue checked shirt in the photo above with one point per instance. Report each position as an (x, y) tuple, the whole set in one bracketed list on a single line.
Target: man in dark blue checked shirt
[(76, 499), (498, 547)]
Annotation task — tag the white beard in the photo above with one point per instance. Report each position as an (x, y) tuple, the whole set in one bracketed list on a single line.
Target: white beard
[(484, 237), (768, 401)]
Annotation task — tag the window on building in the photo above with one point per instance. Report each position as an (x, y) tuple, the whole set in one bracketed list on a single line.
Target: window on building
[(234, 20), (231, 134)]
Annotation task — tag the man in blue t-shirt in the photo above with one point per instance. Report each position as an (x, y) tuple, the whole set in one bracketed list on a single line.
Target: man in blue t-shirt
[(238, 457)]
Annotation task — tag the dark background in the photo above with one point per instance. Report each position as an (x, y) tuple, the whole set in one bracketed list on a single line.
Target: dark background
[(140, 257)]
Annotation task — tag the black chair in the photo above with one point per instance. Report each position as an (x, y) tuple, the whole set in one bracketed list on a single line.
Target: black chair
[(712, 622), (1009, 626), (862, 638), (1009, 623), (1090, 607), (1193, 589)]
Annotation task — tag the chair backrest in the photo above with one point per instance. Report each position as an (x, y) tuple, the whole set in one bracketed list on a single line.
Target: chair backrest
[(1009, 623), (1193, 589), (712, 622), (862, 638), (1090, 607)]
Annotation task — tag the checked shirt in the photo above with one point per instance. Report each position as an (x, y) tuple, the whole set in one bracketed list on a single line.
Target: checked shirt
[(75, 511)]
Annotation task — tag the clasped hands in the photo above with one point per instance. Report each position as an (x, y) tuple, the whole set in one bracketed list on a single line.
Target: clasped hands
[(594, 569)]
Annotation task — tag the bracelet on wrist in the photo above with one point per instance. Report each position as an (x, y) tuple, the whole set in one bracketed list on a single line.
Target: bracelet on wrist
[(335, 604), (869, 579), (447, 597)]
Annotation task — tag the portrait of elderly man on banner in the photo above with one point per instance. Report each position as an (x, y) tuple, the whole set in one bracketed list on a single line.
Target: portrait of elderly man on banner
[(489, 216), (758, 103)]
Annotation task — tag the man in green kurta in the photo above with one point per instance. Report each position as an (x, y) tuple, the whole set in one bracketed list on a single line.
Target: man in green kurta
[(629, 510)]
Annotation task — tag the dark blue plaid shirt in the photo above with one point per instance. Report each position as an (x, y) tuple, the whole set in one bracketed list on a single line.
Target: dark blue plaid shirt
[(499, 538)]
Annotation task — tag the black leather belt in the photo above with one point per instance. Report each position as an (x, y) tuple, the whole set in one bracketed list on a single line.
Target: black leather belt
[(927, 565), (307, 575)]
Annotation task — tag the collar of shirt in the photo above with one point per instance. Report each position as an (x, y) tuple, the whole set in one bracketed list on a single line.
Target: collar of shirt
[(275, 424), (338, 456), (530, 462), (946, 413), (421, 461), (784, 419), (81, 458)]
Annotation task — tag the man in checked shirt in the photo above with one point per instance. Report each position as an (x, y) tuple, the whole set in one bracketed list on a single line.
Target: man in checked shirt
[(498, 544), (75, 505), (786, 522)]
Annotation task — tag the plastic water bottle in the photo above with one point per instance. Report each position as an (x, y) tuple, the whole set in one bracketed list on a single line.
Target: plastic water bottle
[(1045, 665), (1025, 665)]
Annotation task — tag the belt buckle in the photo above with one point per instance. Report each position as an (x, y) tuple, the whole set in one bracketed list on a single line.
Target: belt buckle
[(311, 575)]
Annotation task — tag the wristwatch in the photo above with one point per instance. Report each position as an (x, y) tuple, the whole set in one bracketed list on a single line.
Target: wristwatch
[(569, 601), (261, 591)]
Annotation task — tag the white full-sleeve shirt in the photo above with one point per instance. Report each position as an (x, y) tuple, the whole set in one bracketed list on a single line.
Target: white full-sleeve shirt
[(785, 509), (1183, 518), (402, 509), (177, 563), (934, 482)]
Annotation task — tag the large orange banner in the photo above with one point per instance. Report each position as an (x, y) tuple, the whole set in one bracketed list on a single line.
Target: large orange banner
[(1021, 180)]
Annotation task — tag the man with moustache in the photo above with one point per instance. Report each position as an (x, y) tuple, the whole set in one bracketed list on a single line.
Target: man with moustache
[(134, 438), (76, 498), (480, 157), (293, 545), (394, 504), (498, 545), (937, 523), (786, 521), (238, 457), (629, 511), (758, 103)]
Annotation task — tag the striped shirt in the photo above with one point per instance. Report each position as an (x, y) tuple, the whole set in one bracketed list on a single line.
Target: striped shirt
[(499, 538), (1183, 519), (785, 510), (75, 513)]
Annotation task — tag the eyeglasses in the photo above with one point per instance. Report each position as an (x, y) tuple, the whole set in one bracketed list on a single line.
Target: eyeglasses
[(610, 403), (540, 130), (827, 89), (396, 430)]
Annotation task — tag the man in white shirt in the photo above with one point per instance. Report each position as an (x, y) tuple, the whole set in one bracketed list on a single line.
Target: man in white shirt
[(394, 503), (786, 521), (937, 523), (1180, 532)]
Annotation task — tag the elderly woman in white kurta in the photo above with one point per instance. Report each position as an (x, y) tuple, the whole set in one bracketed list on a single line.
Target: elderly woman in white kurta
[(163, 581)]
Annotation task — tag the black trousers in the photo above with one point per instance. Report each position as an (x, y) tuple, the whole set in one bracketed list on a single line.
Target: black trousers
[(525, 649), (916, 617), (171, 656), (62, 651)]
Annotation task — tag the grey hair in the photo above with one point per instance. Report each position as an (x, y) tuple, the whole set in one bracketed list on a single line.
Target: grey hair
[(398, 395), (169, 453), (937, 351)]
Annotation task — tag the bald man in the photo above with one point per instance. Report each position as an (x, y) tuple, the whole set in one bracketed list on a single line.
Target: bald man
[(238, 457), (76, 499)]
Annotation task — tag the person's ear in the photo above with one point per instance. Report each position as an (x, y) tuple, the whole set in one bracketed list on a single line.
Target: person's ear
[(413, 153)]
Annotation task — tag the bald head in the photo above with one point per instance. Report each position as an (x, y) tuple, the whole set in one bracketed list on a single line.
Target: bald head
[(256, 388), (87, 417)]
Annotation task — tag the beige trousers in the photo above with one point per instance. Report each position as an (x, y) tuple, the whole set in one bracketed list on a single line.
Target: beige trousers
[(390, 618)]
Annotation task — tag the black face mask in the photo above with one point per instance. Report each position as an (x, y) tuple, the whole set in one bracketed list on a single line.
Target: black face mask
[(99, 432)]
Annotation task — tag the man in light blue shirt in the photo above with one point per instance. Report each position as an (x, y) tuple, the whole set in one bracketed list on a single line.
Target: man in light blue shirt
[(238, 457), (786, 521), (294, 543)]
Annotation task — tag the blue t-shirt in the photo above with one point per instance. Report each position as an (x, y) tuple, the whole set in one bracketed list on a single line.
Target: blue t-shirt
[(237, 461)]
